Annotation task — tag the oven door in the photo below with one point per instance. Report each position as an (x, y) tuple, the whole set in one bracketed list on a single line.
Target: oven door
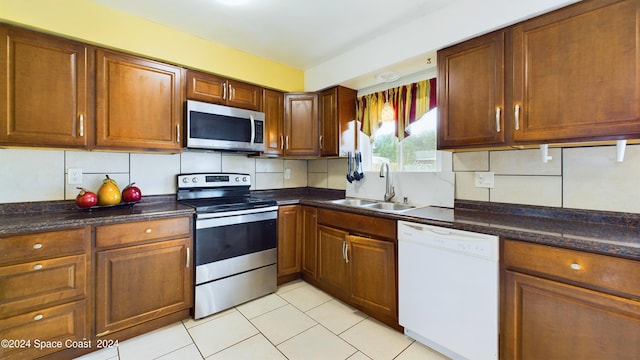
[(230, 243)]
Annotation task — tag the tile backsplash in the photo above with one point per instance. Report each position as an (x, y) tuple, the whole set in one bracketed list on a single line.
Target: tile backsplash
[(41, 175), (577, 177)]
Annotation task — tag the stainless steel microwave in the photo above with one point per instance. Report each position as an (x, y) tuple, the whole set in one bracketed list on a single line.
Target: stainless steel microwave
[(218, 127)]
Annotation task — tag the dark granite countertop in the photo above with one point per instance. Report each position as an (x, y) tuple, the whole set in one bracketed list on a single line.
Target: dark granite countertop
[(44, 216), (607, 233)]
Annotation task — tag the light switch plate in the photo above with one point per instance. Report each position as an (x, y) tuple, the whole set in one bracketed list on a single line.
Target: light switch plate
[(74, 176), (485, 179)]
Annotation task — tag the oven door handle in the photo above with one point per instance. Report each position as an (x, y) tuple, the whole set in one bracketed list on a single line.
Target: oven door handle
[(235, 219)]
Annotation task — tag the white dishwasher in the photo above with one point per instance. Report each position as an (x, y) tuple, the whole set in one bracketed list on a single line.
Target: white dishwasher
[(448, 289)]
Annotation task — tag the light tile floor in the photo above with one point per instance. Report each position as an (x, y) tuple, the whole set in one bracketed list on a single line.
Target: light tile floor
[(297, 322)]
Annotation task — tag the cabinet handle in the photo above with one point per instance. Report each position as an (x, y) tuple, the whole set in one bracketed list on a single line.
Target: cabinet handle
[(576, 266), (81, 125), (37, 246), (281, 142), (517, 116), (178, 133), (148, 230), (38, 317), (344, 244), (346, 252), (321, 142), (188, 257), (498, 119), (231, 90), (37, 266), (224, 92), (287, 142)]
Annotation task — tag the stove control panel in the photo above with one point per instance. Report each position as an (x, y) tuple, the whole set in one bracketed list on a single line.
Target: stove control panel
[(208, 180)]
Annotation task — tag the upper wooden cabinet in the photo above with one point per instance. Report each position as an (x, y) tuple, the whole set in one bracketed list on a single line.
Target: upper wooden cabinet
[(139, 103), (46, 85), (218, 90), (301, 124), (471, 93), (337, 107), (569, 75), (577, 73), (273, 108)]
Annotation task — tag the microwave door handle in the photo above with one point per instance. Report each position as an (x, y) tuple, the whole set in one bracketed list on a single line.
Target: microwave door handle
[(253, 129)]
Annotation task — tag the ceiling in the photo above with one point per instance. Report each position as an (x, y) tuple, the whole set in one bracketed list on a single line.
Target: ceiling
[(298, 33)]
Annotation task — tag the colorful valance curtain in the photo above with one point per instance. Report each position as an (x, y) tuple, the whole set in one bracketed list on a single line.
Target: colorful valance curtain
[(409, 102)]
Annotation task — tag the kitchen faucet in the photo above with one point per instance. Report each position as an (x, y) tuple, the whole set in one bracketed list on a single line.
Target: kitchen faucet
[(389, 191)]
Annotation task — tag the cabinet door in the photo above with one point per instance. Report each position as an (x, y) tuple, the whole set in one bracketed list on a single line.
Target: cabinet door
[(577, 73), (337, 108), (545, 319), (46, 86), (332, 266), (273, 108), (329, 122), (140, 283), (372, 270), (471, 93), (206, 87), (139, 103), (288, 240), (244, 95), (309, 242), (301, 124)]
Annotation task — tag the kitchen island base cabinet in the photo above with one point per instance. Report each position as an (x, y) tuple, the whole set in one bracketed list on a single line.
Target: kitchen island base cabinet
[(565, 304)]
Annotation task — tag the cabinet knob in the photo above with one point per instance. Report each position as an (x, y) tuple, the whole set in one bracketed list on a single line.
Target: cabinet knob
[(148, 230), (575, 266), (38, 317), (37, 246), (37, 266)]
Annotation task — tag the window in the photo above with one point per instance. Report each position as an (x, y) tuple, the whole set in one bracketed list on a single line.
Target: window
[(417, 152)]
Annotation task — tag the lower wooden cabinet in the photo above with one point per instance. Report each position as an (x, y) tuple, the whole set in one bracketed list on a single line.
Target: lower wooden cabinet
[(565, 304), (44, 290), (357, 262), (135, 284), (143, 273), (42, 332), (288, 241), (309, 242)]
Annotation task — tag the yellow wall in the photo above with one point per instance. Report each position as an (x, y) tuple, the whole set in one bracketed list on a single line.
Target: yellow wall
[(92, 23)]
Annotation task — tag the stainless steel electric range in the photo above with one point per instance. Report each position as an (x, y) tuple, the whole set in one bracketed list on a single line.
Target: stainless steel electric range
[(234, 243)]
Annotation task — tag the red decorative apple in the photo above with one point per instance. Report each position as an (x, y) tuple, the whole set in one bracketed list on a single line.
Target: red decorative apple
[(131, 193), (86, 198)]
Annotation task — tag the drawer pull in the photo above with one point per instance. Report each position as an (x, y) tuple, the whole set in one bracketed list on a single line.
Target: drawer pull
[(37, 246), (575, 266), (148, 230), (38, 317), (37, 266)]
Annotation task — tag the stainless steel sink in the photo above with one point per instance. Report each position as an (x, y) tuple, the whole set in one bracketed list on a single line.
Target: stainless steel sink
[(352, 202), (373, 205), (388, 206)]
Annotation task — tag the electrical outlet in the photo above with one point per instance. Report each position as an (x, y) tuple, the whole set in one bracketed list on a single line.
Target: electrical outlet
[(74, 176), (287, 174), (484, 179)]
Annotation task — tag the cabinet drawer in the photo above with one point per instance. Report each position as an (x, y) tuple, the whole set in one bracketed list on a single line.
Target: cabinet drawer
[(66, 322), (127, 233), (594, 271), (31, 246), (358, 224), (29, 285)]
